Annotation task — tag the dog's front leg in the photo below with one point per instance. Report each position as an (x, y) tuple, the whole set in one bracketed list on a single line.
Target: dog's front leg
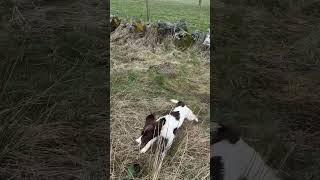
[(148, 145)]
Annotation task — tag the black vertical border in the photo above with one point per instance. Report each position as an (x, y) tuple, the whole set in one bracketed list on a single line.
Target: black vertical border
[(212, 78)]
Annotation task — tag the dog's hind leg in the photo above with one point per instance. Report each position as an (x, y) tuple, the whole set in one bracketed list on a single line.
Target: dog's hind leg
[(168, 145), (148, 145)]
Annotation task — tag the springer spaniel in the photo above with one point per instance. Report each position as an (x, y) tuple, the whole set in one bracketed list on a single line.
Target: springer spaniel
[(164, 127)]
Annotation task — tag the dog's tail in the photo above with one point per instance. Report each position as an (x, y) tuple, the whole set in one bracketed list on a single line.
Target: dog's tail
[(174, 101)]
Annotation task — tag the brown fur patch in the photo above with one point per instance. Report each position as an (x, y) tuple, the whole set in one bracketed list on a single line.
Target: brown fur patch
[(175, 114), (151, 130)]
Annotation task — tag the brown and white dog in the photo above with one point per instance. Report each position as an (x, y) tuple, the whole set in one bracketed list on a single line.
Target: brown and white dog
[(164, 127)]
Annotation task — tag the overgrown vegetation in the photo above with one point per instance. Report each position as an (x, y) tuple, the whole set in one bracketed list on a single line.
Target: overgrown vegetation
[(144, 77), (53, 89), (267, 59), (197, 17)]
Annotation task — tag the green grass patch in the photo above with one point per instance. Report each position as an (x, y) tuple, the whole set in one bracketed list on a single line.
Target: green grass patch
[(166, 10)]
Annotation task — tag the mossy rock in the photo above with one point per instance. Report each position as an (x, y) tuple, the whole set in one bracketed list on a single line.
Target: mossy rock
[(198, 36), (167, 28), (181, 25), (183, 40)]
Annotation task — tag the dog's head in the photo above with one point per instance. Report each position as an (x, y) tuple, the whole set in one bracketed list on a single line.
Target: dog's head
[(189, 114), (150, 130)]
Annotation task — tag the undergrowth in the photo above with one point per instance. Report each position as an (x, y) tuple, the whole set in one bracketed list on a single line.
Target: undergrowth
[(143, 79)]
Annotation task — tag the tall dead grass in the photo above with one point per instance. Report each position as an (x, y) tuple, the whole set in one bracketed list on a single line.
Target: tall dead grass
[(132, 101)]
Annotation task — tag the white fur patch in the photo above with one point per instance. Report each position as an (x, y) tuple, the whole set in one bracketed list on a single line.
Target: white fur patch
[(174, 101), (139, 140), (148, 145)]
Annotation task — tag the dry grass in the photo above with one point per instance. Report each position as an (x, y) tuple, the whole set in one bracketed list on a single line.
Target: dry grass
[(141, 82), (53, 86)]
